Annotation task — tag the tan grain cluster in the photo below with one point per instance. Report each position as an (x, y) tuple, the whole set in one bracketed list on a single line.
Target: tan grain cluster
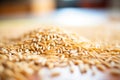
[(52, 47)]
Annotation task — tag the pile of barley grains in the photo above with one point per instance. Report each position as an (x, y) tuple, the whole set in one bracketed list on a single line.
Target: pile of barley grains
[(53, 47)]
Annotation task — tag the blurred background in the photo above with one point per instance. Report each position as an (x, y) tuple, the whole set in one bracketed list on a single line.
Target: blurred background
[(70, 13)]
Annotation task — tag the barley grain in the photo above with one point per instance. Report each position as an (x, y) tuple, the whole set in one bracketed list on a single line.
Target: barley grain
[(55, 74), (53, 47)]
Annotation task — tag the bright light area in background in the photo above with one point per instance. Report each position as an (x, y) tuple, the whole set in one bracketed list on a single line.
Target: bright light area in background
[(63, 15), (76, 17), (79, 17), (49, 12)]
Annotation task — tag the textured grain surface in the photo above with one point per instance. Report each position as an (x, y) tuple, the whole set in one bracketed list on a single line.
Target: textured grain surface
[(52, 47)]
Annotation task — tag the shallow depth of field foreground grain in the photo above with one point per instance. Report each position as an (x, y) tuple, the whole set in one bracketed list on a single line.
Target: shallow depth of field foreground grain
[(50, 47)]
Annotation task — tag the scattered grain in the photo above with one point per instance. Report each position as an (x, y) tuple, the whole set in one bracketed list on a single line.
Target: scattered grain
[(115, 72), (100, 67), (53, 47), (55, 74)]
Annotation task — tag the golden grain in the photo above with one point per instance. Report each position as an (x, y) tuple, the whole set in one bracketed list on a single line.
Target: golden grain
[(53, 47), (115, 72), (100, 67), (55, 74)]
